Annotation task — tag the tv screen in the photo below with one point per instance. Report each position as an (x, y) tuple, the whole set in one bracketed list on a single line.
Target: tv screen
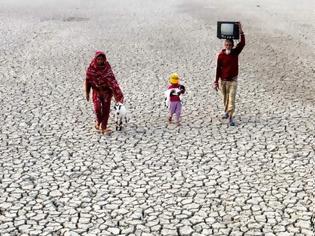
[(227, 30)]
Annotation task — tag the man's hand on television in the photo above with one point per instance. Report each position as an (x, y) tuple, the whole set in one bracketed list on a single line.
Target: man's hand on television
[(240, 28)]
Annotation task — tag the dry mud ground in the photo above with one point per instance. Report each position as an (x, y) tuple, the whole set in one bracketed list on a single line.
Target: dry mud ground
[(58, 176)]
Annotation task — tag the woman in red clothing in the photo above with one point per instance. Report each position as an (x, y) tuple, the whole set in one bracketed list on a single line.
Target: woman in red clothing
[(100, 77)]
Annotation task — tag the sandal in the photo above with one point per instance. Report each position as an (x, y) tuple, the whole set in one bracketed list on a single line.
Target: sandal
[(225, 116), (231, 121), (106, 131), (169, 119)]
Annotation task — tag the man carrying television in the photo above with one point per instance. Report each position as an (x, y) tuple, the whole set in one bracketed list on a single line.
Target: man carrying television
[(226, 74)]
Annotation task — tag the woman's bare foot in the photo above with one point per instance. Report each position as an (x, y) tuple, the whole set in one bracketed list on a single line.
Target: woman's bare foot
[(97, 125)]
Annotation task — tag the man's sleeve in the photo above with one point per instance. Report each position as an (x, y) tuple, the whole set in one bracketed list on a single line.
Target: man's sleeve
[(239, 47), (218, 71)]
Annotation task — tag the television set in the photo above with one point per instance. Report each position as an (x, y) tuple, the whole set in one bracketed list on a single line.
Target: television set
[(228, 30)]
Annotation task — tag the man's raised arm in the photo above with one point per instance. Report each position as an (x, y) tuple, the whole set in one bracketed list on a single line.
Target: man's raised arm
[(239, 47)]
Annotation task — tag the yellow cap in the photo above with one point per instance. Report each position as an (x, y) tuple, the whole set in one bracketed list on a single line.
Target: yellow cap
[(174, 78)]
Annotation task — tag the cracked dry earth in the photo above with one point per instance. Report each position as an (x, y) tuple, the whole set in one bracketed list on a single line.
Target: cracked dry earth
[(58, 176)]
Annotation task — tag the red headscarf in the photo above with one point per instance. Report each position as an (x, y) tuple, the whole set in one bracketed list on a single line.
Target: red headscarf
[(102, 78)]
